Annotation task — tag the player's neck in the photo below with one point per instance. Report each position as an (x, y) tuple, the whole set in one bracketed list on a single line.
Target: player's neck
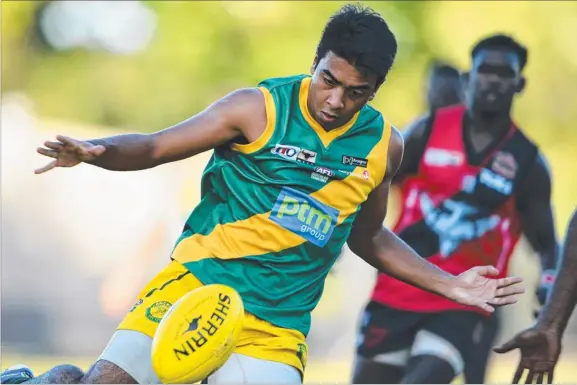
[(483, 123)]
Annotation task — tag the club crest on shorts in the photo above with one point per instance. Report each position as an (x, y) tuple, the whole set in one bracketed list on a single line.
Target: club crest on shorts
[(157, 310), (302, 354)]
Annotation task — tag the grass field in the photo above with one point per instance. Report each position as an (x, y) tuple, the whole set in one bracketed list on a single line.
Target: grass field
[(322, 372)]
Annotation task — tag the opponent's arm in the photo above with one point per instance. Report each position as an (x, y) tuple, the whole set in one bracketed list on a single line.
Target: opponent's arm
[(241, 113), (563, 298), (415, 138), (536, 213), (380, 247)]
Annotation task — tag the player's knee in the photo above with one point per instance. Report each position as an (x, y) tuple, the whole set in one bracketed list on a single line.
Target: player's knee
[(241, 369), (106, 372), (428, 369), (64, 374)]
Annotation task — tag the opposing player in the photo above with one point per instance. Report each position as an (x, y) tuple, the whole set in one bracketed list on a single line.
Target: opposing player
[(471, 183), (444, 87), (301, 165), (540, 345)]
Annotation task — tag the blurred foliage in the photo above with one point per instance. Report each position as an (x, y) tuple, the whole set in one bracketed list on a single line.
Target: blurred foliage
[(202, 50)]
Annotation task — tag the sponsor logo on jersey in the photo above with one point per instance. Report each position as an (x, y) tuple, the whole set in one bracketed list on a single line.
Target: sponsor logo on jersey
[(324, 171), (468, 183), (354, 161), (319, 177), (505, 164), (496, 182), (287, 152), (306, 156), (304, 216), (440, 158)]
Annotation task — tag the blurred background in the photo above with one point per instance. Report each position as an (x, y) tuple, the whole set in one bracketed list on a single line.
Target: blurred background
[(78, 244)]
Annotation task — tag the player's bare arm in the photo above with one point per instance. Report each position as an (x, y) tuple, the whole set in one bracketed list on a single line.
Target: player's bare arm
[(563, 297), (385, 251), (240, 114), (415, 138), (536, 213), (534, 207), (541, 345)]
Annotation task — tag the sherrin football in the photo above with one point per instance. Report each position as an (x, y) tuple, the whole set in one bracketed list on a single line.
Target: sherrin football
[(197, 335)]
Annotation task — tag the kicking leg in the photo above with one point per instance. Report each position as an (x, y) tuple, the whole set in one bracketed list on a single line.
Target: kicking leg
[(102, 372), (242, 369), (125, 360)]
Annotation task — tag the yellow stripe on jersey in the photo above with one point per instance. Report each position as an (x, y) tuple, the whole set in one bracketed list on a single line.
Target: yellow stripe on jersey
[(325, 136), (263, 139), (259, 235)]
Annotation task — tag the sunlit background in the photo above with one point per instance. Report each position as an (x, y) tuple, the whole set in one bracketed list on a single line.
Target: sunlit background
[(78, 244)]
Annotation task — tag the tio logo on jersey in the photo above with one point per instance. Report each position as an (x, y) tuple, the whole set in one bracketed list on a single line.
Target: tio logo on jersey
[(287, 152)]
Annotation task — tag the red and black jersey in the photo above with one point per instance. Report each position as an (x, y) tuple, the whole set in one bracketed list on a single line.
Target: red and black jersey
[(456, 214)]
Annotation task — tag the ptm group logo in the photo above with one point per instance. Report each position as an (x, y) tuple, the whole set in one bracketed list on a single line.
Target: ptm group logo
[(305, 216)]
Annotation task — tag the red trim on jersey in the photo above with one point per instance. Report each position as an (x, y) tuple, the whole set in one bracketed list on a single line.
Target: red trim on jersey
[(443, 172)]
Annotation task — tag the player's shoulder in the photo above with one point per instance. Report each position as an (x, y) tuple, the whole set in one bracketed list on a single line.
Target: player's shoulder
[(541, 165), (280, 82)]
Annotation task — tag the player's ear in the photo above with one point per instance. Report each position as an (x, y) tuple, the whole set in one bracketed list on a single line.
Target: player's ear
[(314, 65), (377, 86), (521, 84)]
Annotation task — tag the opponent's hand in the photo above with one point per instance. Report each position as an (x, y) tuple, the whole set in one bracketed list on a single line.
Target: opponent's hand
[(540, 350), (68, 152), (474, 288)]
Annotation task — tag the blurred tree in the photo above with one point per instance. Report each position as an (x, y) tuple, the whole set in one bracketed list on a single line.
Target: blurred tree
[(203, 49)]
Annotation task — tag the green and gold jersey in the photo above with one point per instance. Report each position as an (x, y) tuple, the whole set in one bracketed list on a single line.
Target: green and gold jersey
[(275, 213)]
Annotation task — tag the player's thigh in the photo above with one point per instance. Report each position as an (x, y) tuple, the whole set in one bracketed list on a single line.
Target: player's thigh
[(476, 360), (384, 343), (242, 369), (448, 335), (386, 334), (130, 347), (167, 287)]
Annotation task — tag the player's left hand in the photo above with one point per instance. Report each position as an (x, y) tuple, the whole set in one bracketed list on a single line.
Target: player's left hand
[(474, 288)]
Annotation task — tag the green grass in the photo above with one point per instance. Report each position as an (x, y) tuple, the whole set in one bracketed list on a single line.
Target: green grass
[(501, 370)]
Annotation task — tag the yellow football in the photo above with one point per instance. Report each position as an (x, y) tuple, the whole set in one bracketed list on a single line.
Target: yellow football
[(197, 335)]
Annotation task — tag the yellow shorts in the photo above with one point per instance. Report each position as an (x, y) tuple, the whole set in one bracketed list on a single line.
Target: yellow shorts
[(259, 339)]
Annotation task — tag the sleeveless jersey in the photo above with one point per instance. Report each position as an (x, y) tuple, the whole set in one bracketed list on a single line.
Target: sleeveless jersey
[(455, 214), (275, 213)]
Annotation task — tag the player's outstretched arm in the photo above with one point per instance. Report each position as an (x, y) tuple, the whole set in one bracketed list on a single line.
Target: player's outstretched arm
[(536, 213), (241, 113), (541, 345), (385, 251)]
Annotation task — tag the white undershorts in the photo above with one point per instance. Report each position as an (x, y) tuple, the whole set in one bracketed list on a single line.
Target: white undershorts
[(131, 351)]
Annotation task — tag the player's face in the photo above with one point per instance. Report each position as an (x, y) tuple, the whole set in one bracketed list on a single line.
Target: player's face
[(494, 80), (443, 91), (338, 91)]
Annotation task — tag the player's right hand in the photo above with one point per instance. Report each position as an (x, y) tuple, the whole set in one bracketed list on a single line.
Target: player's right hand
[(540, 350), (68, 152)]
